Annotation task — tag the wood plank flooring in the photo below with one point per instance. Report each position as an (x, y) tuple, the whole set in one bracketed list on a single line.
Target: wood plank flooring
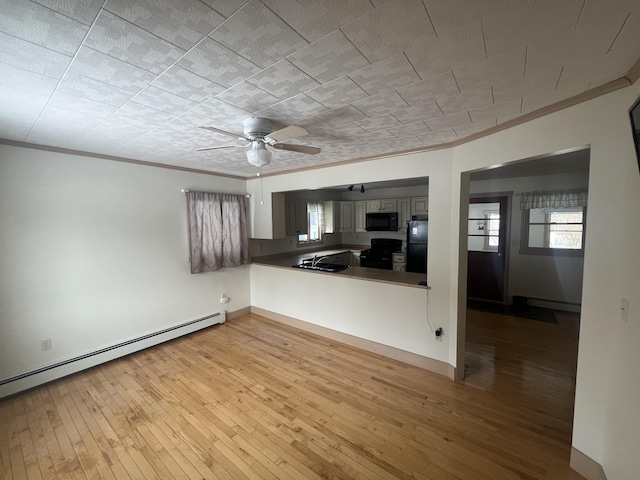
[(254, 399)]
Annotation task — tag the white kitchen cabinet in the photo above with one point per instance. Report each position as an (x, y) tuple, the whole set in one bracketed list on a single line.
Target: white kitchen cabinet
[(420, 206), (373, 206), (347, 217), (404, 213), (388, 205), (399, 260), (361, 216), (331, 216), (296, 217)]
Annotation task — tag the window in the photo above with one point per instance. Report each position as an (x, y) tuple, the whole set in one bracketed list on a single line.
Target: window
[(554, 231), (315, 224)]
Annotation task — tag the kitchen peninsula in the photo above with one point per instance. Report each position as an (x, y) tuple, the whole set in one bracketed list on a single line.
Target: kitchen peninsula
[(288, 260)]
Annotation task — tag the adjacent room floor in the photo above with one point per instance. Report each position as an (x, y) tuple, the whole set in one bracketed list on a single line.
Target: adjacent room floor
[(254, 399)]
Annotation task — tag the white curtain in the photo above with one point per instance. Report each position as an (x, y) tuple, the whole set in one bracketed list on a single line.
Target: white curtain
[(554, 199), (217, 231)]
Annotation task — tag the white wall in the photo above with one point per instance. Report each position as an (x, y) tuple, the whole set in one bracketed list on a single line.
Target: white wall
[(93, 252), (607, 413)]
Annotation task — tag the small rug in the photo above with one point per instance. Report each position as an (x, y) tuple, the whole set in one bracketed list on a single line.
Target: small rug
[(526, 311)]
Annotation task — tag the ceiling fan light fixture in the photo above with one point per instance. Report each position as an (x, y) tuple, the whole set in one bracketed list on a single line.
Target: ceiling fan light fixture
[(258, 155)]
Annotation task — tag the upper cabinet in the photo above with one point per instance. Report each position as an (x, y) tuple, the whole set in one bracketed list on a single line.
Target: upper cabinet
[(361, 216), (404, 213), (331, 216), (382, 205), (420, 206), (295, 217), (347, 217)]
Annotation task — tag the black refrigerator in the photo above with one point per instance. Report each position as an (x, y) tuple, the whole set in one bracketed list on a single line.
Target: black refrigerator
[(417, 239)]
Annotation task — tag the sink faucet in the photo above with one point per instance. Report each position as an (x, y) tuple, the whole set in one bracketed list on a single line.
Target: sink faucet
[(317, 259)]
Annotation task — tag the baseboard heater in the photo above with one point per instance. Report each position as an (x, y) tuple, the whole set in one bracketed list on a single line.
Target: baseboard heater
[(61, 369)]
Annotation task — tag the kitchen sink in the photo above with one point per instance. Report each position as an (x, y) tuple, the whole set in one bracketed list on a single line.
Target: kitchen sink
[(322, 266)]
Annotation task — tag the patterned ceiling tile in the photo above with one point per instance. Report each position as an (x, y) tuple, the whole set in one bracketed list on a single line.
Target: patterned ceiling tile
[(34, 58), (440, 136), (41, 26), (405, 143), (80, 104), (182, 23), (377, 136), (517, 27), (221, 113), (515, 88), (152, 116), (217, 63), (313, 20), (475, 127), (380, 104), (474, 75), (328, 58), (84, 11), (411, 129), (129, 43), (25, 80), (447, 52), (255, 33), (60, 127), (103, 68), (342, 115), (419, 112), (161, 100), (283, 80), (94, 90), (449, 121), (390, 29), (248, 97), (465, 101), (438, 86), (392, 72), (225, 7), (337, 93), (452, 14), (299, 106), (19, 112), (187, 85), (490, 112), (378, 123)]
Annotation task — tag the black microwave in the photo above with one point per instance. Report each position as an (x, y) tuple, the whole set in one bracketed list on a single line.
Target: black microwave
[(382, 222)]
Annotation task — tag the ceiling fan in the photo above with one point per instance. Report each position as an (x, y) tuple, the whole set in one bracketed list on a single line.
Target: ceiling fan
[(259, 132)]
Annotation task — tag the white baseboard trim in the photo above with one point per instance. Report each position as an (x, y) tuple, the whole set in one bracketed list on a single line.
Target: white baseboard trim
[(416, 360), (586, 466), (40, 376), (238, 313)]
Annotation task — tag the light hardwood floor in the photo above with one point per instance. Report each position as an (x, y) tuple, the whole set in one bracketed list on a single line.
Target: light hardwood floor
[(253, 399)]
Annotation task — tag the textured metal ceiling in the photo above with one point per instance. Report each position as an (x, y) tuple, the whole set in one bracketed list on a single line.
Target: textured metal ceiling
[(135, 78)]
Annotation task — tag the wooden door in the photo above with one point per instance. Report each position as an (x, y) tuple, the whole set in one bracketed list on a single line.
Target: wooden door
[(487, 235)]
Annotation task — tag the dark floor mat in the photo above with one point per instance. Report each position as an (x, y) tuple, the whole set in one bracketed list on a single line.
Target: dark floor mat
[(527, 311)]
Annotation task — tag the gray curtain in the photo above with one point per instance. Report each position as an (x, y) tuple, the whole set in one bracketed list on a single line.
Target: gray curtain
[(554, 199), (217, 231)]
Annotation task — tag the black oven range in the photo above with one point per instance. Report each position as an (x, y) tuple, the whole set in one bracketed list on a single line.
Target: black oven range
[(380, 253)]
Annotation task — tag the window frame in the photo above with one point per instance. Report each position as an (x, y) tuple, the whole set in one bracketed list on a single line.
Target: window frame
[(525, 249), (320, 239)]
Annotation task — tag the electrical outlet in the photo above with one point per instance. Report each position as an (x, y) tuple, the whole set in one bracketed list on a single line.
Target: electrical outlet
[(624, 310), (45, 344)]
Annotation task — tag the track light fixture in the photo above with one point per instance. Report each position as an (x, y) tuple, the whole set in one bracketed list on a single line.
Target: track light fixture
[(350, 188), (362, 188)]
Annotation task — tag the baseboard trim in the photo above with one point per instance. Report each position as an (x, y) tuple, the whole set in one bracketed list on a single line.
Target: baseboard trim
[(69, 366), (238, 313), (586, 466), (416, 360)]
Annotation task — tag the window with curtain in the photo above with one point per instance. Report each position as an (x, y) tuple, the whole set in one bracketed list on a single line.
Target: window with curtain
[(217, 231), (315, 224), (553, 222)]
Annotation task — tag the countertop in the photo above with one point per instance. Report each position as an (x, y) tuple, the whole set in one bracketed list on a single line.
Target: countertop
[(287, 260)]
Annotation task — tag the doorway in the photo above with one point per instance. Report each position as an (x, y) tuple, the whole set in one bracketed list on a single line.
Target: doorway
[(487, 247)]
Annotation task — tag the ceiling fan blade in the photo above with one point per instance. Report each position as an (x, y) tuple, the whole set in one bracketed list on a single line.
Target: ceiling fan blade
[(286, 133), (221, 146), (223, 132), (297, 148)]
